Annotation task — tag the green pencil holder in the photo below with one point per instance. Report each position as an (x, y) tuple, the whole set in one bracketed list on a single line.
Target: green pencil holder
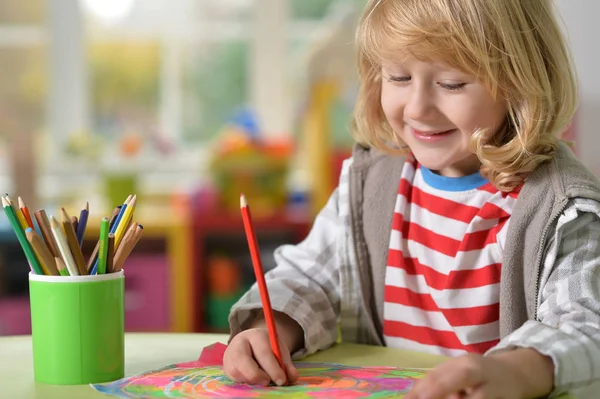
[(77, 328)]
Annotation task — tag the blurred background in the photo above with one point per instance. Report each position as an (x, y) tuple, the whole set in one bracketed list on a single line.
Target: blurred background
[(187, 103)]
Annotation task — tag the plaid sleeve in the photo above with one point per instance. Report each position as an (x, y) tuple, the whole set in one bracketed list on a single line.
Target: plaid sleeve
[(567, 328), (304, 284)]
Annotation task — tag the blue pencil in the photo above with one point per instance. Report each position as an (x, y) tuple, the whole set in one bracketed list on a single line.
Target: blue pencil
[(83, 218)]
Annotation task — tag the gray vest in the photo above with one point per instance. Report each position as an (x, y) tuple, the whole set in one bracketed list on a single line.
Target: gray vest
[(374, 180)]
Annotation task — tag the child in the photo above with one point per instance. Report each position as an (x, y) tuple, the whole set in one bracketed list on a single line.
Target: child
[(461, 225)]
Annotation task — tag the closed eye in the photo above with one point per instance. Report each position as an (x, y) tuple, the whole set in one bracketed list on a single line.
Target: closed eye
[(401, 79), (452, 86)]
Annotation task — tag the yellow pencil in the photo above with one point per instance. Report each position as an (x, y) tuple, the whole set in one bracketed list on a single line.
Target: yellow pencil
[(124, 222)]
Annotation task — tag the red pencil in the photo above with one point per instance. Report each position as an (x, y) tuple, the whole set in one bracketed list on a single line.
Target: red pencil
[(25, 212), (260, 279)]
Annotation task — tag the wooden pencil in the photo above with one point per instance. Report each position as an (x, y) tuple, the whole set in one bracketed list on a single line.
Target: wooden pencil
[(260, 279), (63, 246), (92, 259), (34, 263), (43, 253), (128, 234), (18, 213), (44, 225), (112, 229), (74, 223), (124, 222), (129, 242), (83, 218), (25, 211), (103, 251), (60, 266), (73, 244), (110, 253)]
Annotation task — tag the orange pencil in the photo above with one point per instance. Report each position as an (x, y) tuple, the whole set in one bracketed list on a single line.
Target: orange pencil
[(25, 211), (260, 279)]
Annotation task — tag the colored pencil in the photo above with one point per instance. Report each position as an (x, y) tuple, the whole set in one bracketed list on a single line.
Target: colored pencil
[(44, 225), (93, 257), (260, 278), (132, 237), (126, 240), (110, 253), (103, 240), (63, 246), (74, 223), (83, 218), (18, 213), (25, 212), (113, 228), (43, 253), (124, 223), (27, 249), (72, 242), (60, 265)]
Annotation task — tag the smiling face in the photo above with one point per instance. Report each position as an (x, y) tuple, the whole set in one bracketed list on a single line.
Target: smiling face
[(435, 109)]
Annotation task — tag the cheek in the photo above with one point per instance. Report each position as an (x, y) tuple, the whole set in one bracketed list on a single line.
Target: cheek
[(472, 116), (389, 104), (490, 117)]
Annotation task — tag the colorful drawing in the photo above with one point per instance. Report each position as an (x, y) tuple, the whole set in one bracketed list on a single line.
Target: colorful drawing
[(317, 380)]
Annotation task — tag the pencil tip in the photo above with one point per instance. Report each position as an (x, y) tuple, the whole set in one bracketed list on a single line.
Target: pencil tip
[(243, 202)]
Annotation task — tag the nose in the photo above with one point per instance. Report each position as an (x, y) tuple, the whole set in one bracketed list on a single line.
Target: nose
[(420, 104)]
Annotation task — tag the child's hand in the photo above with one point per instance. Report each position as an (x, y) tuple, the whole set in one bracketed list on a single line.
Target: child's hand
[(250, 359), (471, 377)]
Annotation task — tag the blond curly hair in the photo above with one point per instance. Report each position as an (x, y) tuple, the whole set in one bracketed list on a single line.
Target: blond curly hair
[(513, 47)]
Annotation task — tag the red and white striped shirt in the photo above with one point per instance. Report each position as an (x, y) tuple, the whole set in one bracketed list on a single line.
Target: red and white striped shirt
[(443, 273)]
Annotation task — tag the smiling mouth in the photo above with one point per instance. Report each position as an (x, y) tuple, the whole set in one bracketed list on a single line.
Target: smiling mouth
[(422, 133)]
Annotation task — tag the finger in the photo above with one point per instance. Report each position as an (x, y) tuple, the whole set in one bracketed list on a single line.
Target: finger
[(414, 392), (229, 364), (290, 369), (479, 393), (263, 353), (235, 375), (460, 395), (249, 368), (292, 373), (464, 373)]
